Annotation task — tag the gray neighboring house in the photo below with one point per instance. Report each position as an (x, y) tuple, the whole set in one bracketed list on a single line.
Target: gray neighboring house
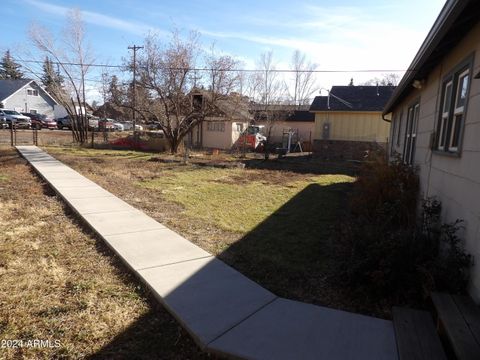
[(26, 95), (435, 115)]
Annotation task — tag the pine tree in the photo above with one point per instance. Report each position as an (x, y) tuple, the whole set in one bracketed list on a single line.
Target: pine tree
[(114, 92), (52, 80), (9, 69)]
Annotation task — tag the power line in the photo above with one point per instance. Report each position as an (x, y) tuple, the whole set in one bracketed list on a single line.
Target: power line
[(231, 70), (78, 79)]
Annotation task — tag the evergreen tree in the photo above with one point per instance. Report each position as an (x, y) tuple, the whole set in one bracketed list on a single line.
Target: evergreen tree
[(9, 69), (52, 80)]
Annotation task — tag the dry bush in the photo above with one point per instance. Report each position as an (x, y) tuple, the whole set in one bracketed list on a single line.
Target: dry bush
[(385, 251)]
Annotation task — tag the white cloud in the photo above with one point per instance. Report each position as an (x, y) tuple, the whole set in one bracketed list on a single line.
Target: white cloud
[(96, 18), (342, 37)]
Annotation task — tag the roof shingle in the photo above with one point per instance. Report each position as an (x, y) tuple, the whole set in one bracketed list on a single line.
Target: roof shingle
[(355, 98), (8, 87)]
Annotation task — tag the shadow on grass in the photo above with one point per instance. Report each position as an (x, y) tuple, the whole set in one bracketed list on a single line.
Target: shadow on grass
[(289, 252), (152, 337)]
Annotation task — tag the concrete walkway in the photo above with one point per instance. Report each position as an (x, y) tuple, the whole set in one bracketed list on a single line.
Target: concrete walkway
[(224, 311)]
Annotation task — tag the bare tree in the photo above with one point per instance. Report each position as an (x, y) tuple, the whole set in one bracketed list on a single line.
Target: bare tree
[(222, 78), (271, 93), (390, 79), (304, 79), (174, 92), (73, 57)]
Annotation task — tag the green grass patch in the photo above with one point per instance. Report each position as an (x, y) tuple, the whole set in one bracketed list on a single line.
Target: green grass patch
[(88, 153), (3, 177), (235, 200)]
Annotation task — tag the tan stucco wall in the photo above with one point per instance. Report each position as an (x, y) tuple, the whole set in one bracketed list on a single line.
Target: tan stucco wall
[(220, 139), (305, 129), (352, 126), (455, 180)]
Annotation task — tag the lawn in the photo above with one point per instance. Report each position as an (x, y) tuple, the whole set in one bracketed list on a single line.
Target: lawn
[(59, 283), (273, 225)]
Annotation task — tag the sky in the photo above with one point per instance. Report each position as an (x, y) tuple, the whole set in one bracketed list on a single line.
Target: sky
[(335, 35)]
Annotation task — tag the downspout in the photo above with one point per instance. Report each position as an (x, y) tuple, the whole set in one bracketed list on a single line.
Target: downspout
[(389, 146)]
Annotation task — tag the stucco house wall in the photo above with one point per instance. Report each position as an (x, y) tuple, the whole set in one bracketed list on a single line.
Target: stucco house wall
[(217, 133), (24, 102), (452, 178)]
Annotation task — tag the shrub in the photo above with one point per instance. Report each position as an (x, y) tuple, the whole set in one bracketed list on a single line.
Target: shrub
[(385, 250), (386, 191)]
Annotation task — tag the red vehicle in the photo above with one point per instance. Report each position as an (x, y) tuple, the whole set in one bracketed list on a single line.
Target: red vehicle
[(106, 125), (40, 121), (252, 138)]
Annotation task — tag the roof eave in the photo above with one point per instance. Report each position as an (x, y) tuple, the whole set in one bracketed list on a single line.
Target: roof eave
[(16, 91), (447, 16)]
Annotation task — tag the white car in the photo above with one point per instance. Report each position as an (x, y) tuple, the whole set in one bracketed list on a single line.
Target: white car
[(128, 125), (118, 126), (12, 116)]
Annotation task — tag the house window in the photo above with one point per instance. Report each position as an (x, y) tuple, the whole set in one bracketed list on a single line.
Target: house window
[(394, 129), (239, 127), (216, 126), (400, 118), (32, 111), (32, 92), (411, 134), (452, 116)]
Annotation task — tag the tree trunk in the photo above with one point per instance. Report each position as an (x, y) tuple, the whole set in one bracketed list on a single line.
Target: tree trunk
[(174, 144)]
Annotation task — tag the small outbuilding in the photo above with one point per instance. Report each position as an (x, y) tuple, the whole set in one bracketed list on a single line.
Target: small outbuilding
[(349, 122)]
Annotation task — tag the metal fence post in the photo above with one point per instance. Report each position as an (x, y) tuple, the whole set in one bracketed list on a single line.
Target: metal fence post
[(11, 134)]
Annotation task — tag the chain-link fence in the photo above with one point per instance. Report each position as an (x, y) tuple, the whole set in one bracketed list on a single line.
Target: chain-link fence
[(97, 139)]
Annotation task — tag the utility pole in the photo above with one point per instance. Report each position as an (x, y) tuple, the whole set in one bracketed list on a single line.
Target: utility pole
[(134, 48)]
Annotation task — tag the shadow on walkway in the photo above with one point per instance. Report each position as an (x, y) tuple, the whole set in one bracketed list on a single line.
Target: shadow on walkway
[(288, 254)]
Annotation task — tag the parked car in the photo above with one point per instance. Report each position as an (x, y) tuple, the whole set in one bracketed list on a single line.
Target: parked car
[(106, 124), (92, 123), (40, 121), (128, 125), (64, 122), (153, 126), (118, 126), (3, 122), (12, 116)]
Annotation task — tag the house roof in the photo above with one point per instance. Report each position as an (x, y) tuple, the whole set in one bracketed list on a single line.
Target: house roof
[(9, 87), (295, 113), (455, 19), (301, 116), (236, 108), (277, 107), (353, 98)]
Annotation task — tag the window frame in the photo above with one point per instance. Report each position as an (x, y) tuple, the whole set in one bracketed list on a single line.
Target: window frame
[(411, 125), (216, 126), (32, 92), (394, 134), (400, 120), (446, 143)]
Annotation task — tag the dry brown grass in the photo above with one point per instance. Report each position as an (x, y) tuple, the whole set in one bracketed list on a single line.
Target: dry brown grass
[(57, 282), (289, 252)]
